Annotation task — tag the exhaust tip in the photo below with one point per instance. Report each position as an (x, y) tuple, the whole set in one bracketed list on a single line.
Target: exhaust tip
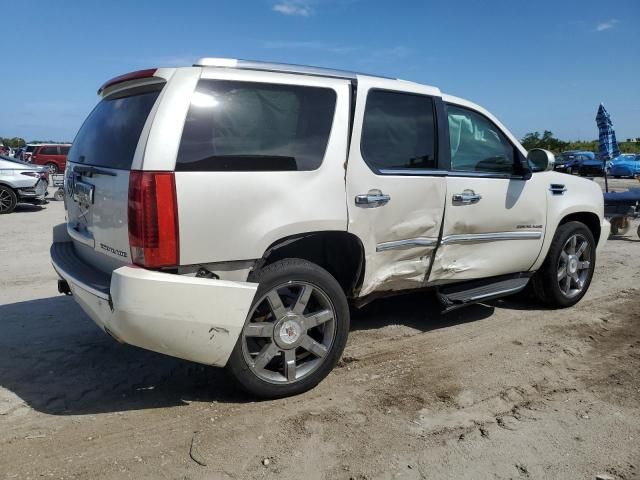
[(63, 287)]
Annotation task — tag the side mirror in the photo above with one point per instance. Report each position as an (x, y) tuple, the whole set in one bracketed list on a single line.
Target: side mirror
[(541, 160)]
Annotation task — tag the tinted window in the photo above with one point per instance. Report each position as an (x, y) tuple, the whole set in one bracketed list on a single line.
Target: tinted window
[(49, 151), (236, 126), (398, 131), (30, 148), (109, 136), (64, 150), (477, 145)]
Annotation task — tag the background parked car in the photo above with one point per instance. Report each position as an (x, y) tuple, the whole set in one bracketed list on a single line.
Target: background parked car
[(592, 166), (626, 165), (574, 160), (564, 158), (53, 156), (21, 182), (28, 151)]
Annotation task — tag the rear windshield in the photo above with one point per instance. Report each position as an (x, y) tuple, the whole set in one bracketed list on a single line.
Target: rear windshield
[(243, 126), (109, 136)]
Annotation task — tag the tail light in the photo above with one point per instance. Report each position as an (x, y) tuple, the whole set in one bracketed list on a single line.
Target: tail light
[(153, 219)]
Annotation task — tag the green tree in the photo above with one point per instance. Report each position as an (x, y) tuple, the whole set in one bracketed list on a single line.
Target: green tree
[(15, 142), (546, 141)]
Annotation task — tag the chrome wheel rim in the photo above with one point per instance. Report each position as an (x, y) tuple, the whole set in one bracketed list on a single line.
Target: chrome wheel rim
[(53, 169), (574, 265), (289, 332), (5, 201)]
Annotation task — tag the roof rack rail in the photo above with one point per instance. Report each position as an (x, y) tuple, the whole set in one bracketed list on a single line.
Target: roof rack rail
[(277, 67)]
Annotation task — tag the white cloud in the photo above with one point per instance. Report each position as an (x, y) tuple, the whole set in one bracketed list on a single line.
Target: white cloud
[(293, 8), (314, 46), (399, 51), (609, 24)]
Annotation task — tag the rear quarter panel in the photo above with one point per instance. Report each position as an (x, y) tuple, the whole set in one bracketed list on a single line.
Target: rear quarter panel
[(226, 216)]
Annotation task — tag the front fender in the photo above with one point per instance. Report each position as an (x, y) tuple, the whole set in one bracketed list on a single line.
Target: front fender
[(581, 196)]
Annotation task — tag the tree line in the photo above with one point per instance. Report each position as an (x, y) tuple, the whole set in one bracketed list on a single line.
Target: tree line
[(17, 142), (547, 141)]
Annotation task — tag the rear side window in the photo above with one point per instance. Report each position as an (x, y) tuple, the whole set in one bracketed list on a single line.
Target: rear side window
[(245, 126), (64, 150), (398, 131), (109, 136), (49, 151)]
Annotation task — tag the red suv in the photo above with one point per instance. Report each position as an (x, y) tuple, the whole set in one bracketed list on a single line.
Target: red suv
[(53, 156)]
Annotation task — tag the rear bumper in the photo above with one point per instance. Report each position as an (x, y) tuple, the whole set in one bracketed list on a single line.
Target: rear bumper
[(186, 317), (35, 194)]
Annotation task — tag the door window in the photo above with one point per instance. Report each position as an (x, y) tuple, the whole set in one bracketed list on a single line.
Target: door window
[(477, 145), (398, 131)]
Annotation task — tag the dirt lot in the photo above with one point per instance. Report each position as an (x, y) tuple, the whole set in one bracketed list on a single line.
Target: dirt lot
[(502, 390)]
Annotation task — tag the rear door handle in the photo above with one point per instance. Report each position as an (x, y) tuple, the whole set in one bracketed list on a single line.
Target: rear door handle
[(468, 197), (374, 198)]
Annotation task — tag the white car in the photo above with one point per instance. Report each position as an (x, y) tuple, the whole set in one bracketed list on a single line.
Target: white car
[(21, 182), (228, 213)]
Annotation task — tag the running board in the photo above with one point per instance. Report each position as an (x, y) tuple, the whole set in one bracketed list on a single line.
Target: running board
[(459, 295)]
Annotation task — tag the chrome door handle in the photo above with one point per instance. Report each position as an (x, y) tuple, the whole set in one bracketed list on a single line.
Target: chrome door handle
[(468, 197), (374, 198)]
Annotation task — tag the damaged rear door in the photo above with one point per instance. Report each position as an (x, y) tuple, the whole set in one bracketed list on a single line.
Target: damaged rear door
[(395, 192)]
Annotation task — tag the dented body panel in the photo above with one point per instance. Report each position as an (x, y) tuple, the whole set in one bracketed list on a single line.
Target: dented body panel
[(400, 237), (502, 233), (192, 318)]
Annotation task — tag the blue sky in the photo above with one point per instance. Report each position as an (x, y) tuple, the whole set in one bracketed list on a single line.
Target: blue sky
[(535, 64)]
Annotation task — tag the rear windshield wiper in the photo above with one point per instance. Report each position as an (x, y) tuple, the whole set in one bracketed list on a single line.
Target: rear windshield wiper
[(91, 171)]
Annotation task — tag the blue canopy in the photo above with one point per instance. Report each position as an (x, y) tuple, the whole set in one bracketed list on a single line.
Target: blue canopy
[(608, 145)]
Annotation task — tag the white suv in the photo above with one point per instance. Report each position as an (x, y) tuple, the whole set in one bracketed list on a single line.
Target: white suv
[(228, 213)]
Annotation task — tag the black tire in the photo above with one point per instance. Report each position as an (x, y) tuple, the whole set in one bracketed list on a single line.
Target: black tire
[(53, 168), (545, 284), (273, 276), (8, 200), (620, 225)]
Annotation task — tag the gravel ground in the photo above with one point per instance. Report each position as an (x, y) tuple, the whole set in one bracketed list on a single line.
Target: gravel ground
[(502, 390)]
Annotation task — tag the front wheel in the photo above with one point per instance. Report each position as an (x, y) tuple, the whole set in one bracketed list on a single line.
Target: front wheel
[(295, 332), (566, 273), (53, 168)]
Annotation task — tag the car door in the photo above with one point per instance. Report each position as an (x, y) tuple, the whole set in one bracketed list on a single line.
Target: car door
[(494, 219), (395, 191)]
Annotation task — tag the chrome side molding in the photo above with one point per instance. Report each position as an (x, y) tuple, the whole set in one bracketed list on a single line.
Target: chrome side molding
[(490, 237), (408, 243)]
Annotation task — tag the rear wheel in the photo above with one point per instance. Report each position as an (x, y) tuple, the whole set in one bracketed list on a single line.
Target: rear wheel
[(53, 168), (8, 200), (566, 273), (295, 332)]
